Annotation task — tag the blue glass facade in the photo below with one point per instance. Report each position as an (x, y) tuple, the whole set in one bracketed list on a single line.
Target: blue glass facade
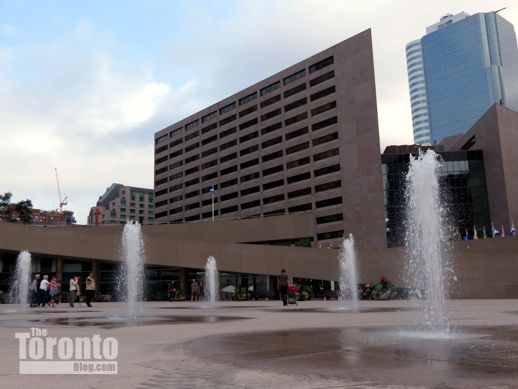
[(469, 65)]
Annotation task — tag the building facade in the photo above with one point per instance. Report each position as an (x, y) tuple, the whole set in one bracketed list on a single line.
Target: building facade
[(53, 218), (303, 140), (469, 63), (121, 203)]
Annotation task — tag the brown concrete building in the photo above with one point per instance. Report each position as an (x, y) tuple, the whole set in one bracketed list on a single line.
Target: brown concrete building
[(121, 203), (52, 218), (305, 139)]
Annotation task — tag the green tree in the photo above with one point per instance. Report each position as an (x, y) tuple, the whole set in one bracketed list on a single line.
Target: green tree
[(24, 211), (5, 200), (304, 242)]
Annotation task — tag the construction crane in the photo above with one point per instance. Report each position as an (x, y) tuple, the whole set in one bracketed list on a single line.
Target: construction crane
[(62, 201)]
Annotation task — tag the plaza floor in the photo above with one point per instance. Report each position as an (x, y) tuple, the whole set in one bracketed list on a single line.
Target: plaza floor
[(261, 344)]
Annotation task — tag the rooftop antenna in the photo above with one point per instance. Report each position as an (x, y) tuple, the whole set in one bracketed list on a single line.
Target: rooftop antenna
[(501, 9)]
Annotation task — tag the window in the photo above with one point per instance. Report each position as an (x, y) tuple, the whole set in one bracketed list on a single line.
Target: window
[(213, 126), (274, 155), (322, 64), (325, 154), (248, 191), (248, 111), (323, 108), (227, 158), (209, 152), (192, 170), (295, 104), (327, 170), (175, 176), (298, 162), (192, 125), (323, 93), (248, 124), (271, 114), (270, 101), (192, 206), (160, 160), (247, 99), (270, 88), (175, 132), (228, 196), (161, 181), (273, 199), (161, 149), (175, 199), (296, 133), (228, 183), (294, 77), (325, 139), (225, 146), (229, 119), (322, 78), (161, 192), (210, 176), (273, 184), (249, 177), (300, 208), (299, 177), (249, 150), (272, 170), (248, 137), (330, 218), (192, 218), (161, 139), (228, 170), (175, 187), (192, 194), (192, 147), (299, 193), (193, 158), (250, 163), (209, 164), (271, 142), (228, 132), (251, 204), (295, 119), (233, 208), (176, 142), (209, 140), (299, 147), (294, 91), (324, 123), (192, 182), (330, 235), (209, 116), (271, 128), (329, 202), (227, 108)]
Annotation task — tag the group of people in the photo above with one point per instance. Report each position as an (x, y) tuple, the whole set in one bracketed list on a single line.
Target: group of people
[(197, 290), (47, 293)]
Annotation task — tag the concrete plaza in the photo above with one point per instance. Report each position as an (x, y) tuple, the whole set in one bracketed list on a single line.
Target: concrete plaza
[(262, 344)]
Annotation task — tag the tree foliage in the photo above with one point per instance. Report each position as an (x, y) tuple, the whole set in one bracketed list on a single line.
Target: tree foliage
[(24, 211), (5, 201)]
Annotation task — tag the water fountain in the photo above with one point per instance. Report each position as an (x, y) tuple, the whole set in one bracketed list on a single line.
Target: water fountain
[(131, 277), (348, 275), (19, 289), (211, 281), (428, 269)]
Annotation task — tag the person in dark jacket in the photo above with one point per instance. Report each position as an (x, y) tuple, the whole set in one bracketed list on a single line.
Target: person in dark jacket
[(282, 284)]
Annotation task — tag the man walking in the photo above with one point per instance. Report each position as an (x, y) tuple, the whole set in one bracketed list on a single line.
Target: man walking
[(90, 289), (34, 291), (282, 283), (74, 289), (44, 290)]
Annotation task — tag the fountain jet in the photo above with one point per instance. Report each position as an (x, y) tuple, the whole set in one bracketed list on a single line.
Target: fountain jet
[(19, 290), (348, 274), (211, 281)]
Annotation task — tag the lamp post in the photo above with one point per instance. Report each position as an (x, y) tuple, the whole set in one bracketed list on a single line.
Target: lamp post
[(212, 192)]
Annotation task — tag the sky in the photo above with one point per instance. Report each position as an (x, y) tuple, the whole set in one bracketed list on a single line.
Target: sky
[(85, 85)]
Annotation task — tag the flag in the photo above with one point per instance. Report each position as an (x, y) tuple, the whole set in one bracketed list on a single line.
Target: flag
[(475, 235), (512, 232), (494, 231), (466, 235), (212, 189), (484, 235), (502, 233)]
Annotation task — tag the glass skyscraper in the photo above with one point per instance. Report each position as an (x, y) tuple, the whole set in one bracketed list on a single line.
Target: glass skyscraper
[(462, 66)]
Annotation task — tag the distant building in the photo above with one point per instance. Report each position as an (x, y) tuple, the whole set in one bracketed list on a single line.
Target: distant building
[(122, 203), (462, 66), (52, 218)]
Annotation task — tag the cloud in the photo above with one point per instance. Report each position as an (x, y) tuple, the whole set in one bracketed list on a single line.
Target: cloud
[(9, 30)]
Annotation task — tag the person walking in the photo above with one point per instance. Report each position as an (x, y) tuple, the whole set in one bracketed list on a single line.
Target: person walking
[(74, 290), (43, 291), (90, 289), (282, 284), (34, 291), (195, 290), (53, 292)]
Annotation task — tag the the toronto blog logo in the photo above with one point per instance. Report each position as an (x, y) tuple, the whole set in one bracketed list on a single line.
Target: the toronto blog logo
[(40, 353)]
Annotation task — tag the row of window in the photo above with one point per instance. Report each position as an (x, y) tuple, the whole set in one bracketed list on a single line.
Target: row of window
[(263, 92)]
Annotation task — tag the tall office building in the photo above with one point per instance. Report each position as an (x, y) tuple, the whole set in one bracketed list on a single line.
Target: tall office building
[(303, 140), (462, 66)]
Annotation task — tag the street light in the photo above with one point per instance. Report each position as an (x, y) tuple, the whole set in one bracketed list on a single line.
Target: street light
[(212, 192)]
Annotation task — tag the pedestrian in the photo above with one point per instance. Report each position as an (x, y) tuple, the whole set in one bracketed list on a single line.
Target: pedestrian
[(34, 291), (43, 291), (201, 291), (74, 290), (53, 292), (90, 289), (282, 284), (195, 290), (171, 290)]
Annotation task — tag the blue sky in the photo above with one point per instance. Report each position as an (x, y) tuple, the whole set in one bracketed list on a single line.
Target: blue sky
[(85, 85)]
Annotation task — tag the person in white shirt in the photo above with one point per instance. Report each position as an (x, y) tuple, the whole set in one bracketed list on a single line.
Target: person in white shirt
[(44, 290), (74, 290)]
